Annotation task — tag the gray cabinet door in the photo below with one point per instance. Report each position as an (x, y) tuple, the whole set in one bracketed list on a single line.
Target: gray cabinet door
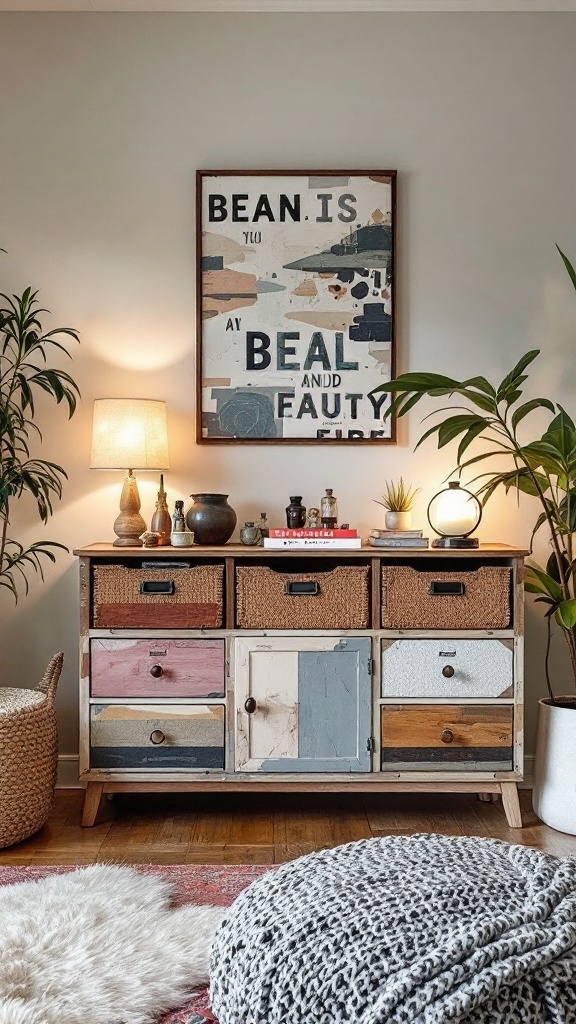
[(303, 704)]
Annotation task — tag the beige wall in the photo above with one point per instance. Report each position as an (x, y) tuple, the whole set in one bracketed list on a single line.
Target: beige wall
[(103, 121)]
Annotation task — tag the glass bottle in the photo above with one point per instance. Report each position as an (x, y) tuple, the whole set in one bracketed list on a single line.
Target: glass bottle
[(178, 521), (329, 509), (263, 525)]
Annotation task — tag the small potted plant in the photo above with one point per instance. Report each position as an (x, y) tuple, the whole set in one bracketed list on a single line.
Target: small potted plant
[(398, 500)]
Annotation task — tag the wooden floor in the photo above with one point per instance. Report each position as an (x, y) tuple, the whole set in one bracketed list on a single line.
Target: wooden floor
[(256, 829)]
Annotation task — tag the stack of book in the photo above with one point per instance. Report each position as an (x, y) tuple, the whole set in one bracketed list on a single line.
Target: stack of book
[(397, 539), (312, 538)]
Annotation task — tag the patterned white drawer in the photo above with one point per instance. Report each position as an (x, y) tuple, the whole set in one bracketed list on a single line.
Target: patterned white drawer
[(447, 668)]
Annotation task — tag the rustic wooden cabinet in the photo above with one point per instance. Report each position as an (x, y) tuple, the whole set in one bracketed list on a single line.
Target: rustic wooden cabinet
[(242, 668)]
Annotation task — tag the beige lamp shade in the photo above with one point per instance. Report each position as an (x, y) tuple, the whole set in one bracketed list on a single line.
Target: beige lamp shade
[(129, 433)]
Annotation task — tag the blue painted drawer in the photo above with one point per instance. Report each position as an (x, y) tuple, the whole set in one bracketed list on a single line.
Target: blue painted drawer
[(152, 736)]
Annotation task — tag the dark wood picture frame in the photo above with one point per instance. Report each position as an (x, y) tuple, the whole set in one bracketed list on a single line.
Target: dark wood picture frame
[(295, 306)]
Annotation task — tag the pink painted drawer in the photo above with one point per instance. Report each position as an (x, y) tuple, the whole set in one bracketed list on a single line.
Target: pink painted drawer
[(157, 668)]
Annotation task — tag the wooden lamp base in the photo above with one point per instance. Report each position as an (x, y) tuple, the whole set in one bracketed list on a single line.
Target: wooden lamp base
[(129, 524)]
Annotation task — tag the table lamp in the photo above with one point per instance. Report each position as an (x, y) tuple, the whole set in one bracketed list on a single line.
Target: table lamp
[(129, 434), (454, 513)]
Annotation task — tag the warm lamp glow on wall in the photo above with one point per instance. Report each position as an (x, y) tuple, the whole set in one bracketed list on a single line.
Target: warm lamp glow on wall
[(454, 514), (129, 434)]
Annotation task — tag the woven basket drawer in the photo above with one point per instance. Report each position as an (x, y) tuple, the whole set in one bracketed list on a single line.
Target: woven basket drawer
[(157, 668), (476, 599), (425, 737), (447, 668), (267, 599), (157, 736), (188, 598)]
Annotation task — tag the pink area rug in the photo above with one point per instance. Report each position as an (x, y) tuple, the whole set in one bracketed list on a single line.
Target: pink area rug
[(213, 884)]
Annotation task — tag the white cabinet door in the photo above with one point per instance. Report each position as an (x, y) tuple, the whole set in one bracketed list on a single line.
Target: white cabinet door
[(303, 704)]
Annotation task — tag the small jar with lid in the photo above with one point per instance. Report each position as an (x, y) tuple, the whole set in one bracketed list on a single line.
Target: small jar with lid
[(329, 509), (249, 534)]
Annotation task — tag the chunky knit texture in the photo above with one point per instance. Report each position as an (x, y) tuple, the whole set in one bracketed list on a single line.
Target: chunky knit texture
[(403, 930)]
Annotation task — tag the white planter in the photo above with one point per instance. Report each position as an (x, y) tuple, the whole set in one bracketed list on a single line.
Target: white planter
[(554, 796), (398, 520)]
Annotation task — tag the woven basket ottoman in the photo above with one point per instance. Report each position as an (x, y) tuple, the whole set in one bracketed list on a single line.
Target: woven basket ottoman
[(28, 756)]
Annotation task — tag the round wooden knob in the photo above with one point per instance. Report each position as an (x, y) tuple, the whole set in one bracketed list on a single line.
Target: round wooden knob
[(447, 736), (448, 671), (250, 705), (156, 671), (157, 737)]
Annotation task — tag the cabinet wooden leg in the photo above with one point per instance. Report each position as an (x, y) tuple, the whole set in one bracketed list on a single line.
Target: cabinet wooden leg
[(92, 800), (486, 798), (511, 804)]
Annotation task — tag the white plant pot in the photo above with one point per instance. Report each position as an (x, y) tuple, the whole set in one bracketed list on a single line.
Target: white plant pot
[(398, 520), (554, 795)]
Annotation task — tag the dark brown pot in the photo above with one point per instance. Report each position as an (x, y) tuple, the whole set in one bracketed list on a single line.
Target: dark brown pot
[(211, 518)]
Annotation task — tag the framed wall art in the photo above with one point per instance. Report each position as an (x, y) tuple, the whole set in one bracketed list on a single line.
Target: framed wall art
[(295, 295)]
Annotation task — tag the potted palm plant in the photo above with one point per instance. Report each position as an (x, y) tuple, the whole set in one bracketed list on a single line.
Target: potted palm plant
[(543, 467), (28, 745), (24, 374)]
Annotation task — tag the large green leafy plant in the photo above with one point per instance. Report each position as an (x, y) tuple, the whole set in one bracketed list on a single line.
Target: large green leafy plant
[(544, 467), (24, 373)]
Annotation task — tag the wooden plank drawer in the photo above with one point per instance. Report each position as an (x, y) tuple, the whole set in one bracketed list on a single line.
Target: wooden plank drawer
[(447, 668), (157, 668), (154, 736), (428, 737)]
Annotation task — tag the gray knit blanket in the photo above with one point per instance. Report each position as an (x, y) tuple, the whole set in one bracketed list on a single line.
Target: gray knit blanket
[(402, 930)]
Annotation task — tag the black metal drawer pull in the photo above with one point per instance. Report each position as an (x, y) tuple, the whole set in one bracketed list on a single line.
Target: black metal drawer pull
[(157, 587), (296, 587), (439, 587)]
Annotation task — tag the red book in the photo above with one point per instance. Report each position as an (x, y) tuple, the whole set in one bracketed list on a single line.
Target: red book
[(319, 533)]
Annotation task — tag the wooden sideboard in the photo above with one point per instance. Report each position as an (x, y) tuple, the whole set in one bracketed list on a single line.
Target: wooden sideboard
[(240, 668)]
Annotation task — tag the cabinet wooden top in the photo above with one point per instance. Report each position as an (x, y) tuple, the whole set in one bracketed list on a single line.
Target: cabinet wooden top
[(245, 551)]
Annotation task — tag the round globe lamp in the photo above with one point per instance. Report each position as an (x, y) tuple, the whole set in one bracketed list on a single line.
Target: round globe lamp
[(454, 513)]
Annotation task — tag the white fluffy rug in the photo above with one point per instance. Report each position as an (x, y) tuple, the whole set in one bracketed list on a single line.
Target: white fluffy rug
[(100, 945)]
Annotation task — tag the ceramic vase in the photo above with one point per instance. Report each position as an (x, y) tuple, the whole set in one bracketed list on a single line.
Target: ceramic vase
[(295, 513), (211, 519), (249, 534), (554, 793), (398, 520)]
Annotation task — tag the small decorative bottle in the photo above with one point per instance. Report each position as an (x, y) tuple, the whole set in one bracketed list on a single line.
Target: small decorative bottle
[(329, 510), (295, 513), (263, 526), (161, 521), (178, 520)]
